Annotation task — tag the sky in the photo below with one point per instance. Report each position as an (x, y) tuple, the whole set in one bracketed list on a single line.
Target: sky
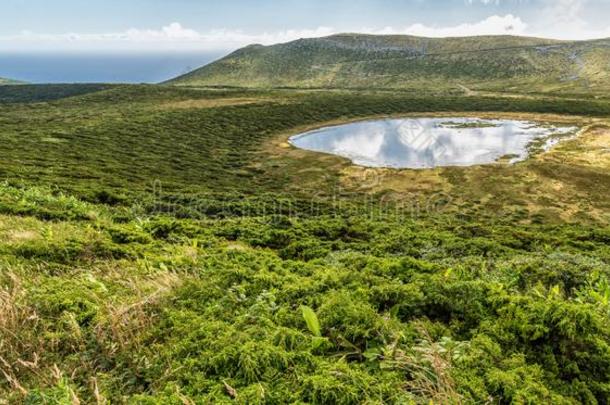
[(223, 25)]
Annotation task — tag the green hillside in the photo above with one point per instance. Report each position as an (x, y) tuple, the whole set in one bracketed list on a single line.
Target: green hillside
[(4, 81), (164, 245), (497, 63)]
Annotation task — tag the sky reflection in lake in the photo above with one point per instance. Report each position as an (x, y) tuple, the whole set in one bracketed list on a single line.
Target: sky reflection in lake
[(428, 142)]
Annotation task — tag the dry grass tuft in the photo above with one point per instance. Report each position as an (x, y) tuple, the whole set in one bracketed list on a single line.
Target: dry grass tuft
[(122, 324), (428, 366), (18, 337)]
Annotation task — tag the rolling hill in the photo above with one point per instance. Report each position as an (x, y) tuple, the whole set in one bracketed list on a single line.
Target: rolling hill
[(4, 81), (497, 63)]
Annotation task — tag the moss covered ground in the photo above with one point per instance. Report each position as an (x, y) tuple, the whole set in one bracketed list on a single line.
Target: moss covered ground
[(164, 245)]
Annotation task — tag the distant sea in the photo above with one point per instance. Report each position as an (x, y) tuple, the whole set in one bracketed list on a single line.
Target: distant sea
[(86, 67)]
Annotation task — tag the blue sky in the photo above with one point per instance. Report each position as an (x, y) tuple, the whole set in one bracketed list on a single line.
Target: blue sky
[(224, 25)]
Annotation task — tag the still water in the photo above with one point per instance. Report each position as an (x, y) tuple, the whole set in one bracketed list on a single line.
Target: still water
[(432, 142)]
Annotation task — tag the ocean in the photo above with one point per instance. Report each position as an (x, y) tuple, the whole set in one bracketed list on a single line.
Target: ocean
[(87, 67)]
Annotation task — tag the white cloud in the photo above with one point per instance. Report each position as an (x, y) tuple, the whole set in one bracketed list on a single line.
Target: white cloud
[(486, 2), (171, 37), (563, 19), (494, 25), (174, 31), (175, 36), (564, 22), (566, 10)]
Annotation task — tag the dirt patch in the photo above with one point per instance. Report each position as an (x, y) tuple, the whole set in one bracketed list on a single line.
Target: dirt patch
[(22, 235), (211, 103), (237, 246), (591, 148), (377, 180)]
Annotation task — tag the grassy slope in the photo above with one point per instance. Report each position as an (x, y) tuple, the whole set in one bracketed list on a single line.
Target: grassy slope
[(501, 63), (46, 92), (4, 81), (157, 244)]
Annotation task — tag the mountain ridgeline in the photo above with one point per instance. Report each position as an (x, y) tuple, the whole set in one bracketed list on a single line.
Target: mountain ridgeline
[(4, 81), (495, 63)]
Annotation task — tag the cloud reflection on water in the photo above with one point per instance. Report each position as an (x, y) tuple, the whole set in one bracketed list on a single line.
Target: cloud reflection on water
[(426, 142)]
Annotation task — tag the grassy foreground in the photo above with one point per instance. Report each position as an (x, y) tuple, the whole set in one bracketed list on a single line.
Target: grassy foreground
[(162, 245)]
